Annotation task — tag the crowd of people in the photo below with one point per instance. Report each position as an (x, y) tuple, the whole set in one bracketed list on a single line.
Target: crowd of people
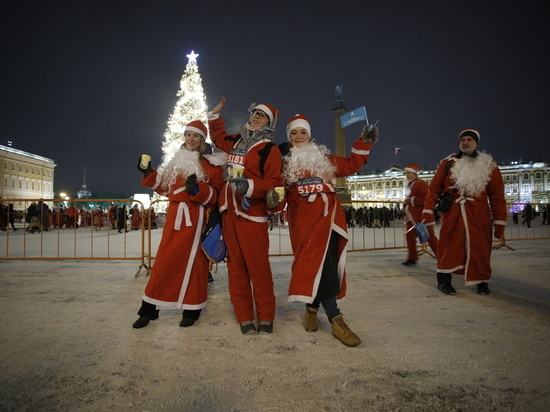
[(39, 217), (250, 180), (255, 183)]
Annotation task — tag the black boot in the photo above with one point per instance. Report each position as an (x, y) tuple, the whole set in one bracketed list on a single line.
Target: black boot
[(189, 317), (147, 313), (444, 283)]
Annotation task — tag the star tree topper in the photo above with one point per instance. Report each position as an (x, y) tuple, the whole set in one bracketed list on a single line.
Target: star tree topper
[(192, 57)]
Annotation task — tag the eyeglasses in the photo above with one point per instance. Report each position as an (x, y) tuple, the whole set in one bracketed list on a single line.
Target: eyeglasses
[(258, 113)]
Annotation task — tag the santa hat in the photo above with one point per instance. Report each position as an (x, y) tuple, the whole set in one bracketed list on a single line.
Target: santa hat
[(470, 132), (271, 112), (413, 167), (298, 121), (198, 127)]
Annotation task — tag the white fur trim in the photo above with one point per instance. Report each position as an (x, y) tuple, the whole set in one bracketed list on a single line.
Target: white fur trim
[(298, 123)]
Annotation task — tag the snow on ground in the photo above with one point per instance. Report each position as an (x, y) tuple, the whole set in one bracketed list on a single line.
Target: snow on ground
[(67, 342)]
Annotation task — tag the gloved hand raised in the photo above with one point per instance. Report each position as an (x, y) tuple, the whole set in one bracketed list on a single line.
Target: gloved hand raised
[(369, 134), (241, 185), (146, 170), (191, 185)]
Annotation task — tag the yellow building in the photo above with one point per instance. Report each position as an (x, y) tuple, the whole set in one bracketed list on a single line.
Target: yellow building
[(25, 175), (522, 182)]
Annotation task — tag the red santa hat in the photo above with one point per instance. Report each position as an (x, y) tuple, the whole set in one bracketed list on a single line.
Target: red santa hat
[(271, 112), (413, 167), (298, 121), (473, 133), (198, 127)]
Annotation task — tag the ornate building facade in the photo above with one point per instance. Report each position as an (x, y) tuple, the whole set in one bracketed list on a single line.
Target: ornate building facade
[(25, 175), (523, 182)]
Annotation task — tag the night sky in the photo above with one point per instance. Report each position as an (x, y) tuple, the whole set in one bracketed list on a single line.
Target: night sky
[(91, 84)]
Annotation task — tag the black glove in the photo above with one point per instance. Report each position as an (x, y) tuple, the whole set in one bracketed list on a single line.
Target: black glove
[(369, 134), (147, 171), (241, 185), (191, 185), (272, 199)]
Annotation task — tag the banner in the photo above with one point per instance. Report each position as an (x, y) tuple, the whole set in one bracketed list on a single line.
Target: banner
[(354, 116)]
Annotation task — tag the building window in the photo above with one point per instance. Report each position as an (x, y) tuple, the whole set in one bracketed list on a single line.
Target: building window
[(33, 170), (13, 166), (515, 189), (5, 165), (20, 168), (13, 183), (32, 185), (514, 178), (27, 185), (27, 169), (525, 176), (20, 184), (508, 189), (5, 182), (38, 172), (526, 189), (507, 178), (538, 176), (538, 187)]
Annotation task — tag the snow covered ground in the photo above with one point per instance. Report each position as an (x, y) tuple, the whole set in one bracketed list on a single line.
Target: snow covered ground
[(67, 342)]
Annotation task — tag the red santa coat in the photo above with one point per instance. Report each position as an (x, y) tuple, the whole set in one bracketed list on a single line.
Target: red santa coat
[(179, 276), (417, 192), (312, 218), (246, 229), (465, 237)]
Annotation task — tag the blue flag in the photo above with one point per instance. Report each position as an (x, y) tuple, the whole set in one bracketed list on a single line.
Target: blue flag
[(354, 116)]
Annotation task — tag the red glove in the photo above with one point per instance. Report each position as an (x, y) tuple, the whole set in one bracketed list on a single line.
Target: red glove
[(499, 231)]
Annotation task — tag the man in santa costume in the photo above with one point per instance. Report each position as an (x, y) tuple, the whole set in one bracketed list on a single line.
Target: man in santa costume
[(191, 180), (254, 169), (473, 180), (317, 223), (415, 195)]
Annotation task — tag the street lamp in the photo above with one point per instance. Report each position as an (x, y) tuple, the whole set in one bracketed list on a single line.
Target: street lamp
[(64, 197)]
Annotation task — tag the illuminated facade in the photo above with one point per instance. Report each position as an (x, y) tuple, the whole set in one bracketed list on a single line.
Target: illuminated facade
[(25, 175), (522, 182)]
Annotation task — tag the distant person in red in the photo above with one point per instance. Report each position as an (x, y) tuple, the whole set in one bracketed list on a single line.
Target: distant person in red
[(136, 217), (191, 180), (317, 223), (112, 215), (71, 216), (415, 196), (254, 168)]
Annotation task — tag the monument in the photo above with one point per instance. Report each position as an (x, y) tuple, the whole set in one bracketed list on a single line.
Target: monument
[(340, 145)]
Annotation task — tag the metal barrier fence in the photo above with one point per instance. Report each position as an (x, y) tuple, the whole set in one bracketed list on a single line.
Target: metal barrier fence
[(90, 232)]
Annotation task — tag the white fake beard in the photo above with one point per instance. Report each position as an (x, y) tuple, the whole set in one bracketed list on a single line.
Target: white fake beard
[(184, 163), (308, 160), (471, 174)]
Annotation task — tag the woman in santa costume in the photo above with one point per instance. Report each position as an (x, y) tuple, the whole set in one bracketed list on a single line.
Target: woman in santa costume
[(254, 169), (191, 180), (474, 181), (415, 196), (317, 223)]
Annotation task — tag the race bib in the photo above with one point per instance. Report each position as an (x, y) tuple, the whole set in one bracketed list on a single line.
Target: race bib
[(235, 163), (309, 185)]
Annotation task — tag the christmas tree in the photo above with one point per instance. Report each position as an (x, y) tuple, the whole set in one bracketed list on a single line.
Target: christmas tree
[(190, 106)]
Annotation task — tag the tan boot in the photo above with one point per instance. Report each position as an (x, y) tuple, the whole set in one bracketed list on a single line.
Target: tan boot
[(310, 320), (342, 332)]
